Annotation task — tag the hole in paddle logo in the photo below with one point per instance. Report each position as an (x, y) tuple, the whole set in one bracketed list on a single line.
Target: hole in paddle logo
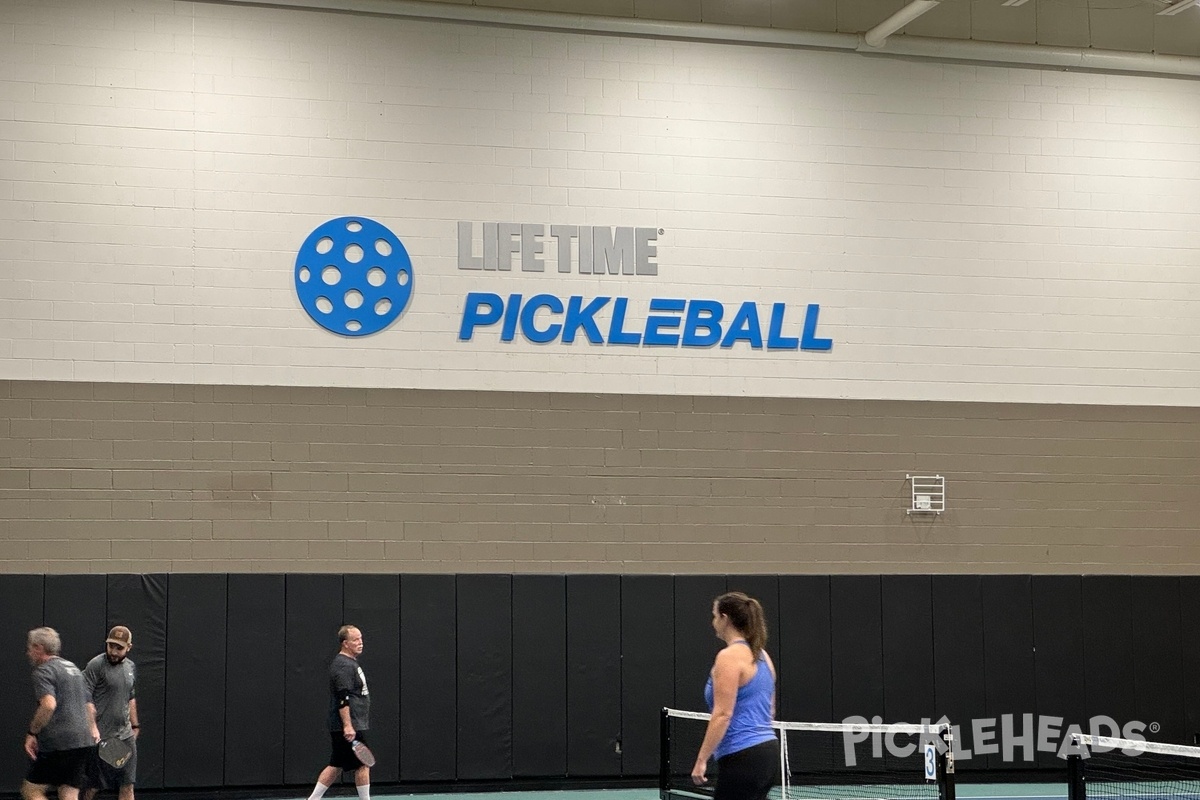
[(353, 276)]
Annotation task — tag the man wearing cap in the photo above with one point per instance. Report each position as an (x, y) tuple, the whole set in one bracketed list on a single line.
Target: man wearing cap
[(62, 734), (110, 679)]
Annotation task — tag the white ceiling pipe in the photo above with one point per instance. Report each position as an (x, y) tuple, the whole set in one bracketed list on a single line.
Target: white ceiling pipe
[(559, 21), (1039, 56), (1172, 10), (1025, 55), (879, 34)]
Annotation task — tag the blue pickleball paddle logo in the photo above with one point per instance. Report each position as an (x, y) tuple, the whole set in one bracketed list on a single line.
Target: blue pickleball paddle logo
[(353, 276)]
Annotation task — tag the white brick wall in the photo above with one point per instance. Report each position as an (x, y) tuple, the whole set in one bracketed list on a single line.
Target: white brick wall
[(971, 233)]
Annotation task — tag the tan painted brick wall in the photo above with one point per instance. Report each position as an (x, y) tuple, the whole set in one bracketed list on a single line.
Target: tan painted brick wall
[(145, 478)]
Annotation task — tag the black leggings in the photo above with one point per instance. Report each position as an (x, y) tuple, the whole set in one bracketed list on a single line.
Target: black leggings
[(748, 774)]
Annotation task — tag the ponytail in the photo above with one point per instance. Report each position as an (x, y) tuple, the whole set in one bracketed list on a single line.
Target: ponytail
[(747, 616)]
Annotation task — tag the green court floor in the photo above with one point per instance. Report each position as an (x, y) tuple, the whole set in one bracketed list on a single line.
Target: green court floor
[(991, 791)]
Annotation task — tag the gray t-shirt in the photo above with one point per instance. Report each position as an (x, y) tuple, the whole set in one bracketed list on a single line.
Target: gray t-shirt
[(111, 687), (346, 679), (68, 728)]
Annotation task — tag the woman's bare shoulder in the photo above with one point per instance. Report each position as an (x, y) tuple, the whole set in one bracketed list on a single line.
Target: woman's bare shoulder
[(734, 654)]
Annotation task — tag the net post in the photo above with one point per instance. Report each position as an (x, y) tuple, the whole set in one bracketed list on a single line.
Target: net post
[(664, 754), (946, 768), (783, 764), (1075, 782)]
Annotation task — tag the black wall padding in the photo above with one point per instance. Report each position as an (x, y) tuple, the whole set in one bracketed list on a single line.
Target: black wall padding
[(21, 597), (539, 735), (1009, 672), (908, 677), (139, 602), (1189, 601), (647, 667), (194, 724), (1058, 654), (312, 617), (372, 602), (856, 612), (805, 647), (958, 658), (1158, 658), (485, 673), (254, 685), (1108, 666), (487, 677), (696, 643), (593, 675), (428, 677), (75, 607)]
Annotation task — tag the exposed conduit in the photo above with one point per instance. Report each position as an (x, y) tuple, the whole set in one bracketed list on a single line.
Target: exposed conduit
[(1026, 55), (877, 36)]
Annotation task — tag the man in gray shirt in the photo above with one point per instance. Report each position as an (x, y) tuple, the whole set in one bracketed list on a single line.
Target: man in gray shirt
[(62, 734), (110, 678)]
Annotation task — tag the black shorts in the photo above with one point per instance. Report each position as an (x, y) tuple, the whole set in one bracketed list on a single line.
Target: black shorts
[(341, 755), (748, 774), (62, 767)]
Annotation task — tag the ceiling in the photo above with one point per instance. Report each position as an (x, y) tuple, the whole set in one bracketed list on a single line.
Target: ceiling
[(1135, 26), (1156, 37)]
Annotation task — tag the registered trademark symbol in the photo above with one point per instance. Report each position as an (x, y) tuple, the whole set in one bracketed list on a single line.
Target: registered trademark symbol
[(1155, 727), (661, 231)]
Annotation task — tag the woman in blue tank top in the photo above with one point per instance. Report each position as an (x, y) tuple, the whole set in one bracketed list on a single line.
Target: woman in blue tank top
[(741, 696)]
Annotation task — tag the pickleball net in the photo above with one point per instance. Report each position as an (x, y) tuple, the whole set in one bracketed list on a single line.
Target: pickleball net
[(823, 760), (1107, 768)]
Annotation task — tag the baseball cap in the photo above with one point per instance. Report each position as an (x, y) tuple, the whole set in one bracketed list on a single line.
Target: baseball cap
[(120, 635)]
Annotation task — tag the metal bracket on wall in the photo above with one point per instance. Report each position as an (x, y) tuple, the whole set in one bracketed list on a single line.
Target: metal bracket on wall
[(928, 494)]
